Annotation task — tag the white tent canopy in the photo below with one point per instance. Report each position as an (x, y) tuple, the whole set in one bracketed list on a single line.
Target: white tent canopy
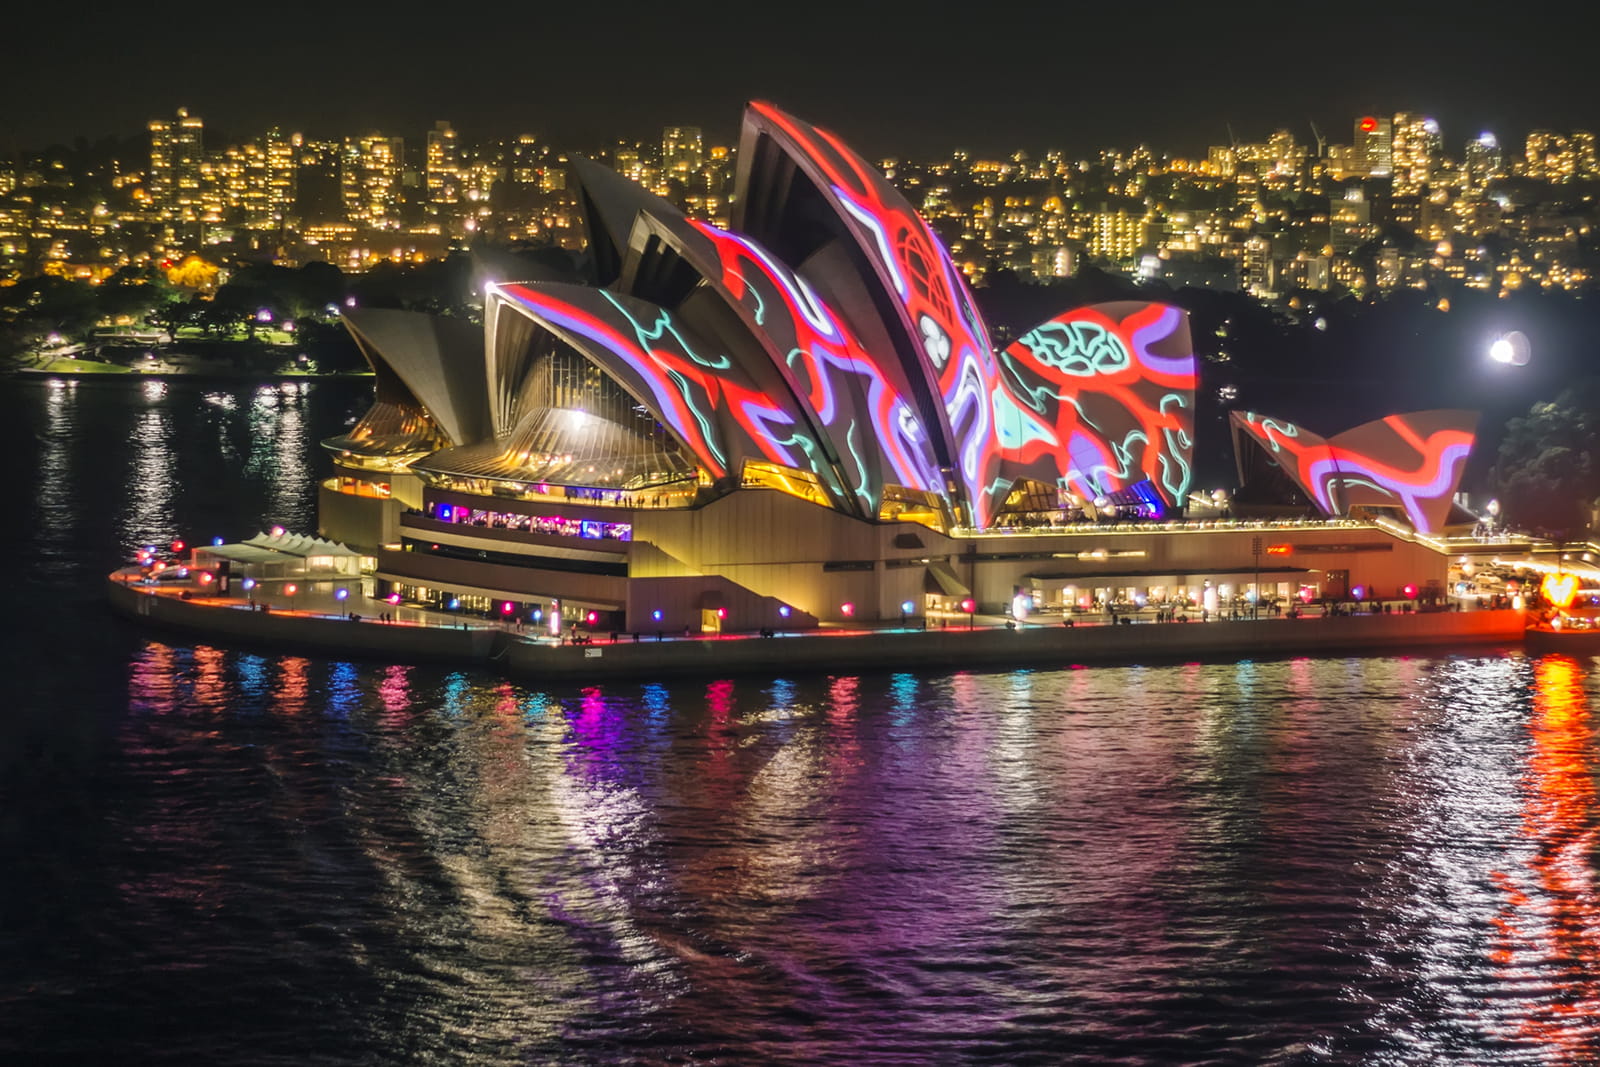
[(284, 555), (293, 544)]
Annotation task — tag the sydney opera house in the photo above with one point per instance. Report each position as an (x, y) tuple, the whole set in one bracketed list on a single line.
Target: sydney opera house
[(803, 419)]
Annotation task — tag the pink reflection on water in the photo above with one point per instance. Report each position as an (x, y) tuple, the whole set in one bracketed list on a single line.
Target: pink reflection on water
[(150, 679), (600, 733), (395, 692), (505, 705)]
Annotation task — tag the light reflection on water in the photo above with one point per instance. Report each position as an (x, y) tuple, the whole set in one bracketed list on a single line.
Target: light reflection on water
[(1300, 861), (277, 433), (1386, 860), (151, 465), (56, 484)]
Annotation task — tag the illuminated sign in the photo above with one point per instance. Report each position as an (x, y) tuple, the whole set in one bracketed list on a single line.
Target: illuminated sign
[(1559, 589)]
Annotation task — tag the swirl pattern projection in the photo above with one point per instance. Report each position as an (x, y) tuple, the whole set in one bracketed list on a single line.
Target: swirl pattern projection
[(829, 334), (703, 398), (875, 430), (1067, 406), (1412, 462), (1114, 384)]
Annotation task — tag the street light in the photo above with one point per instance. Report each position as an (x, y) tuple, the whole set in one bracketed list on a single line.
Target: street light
[(969, 606)]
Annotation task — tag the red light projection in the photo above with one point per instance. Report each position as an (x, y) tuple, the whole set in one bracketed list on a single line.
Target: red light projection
[(1114, 385), (1368, 124), (936, 317), (693, 388), (1413, 462), (852, 395)]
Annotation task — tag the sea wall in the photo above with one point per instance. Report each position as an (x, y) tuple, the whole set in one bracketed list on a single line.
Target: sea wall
[(955, 648), (310, 634), (1042, 646)]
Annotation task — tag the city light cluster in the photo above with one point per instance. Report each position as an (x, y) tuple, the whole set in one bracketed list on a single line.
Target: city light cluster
[(1391, 208)]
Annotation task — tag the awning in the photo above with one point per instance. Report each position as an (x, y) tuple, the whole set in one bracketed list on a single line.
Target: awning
[(941, 579), (247, 554), (298, 545), (1170, 577)]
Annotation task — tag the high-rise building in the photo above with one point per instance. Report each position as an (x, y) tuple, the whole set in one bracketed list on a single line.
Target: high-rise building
[(318, 195), (1583, 151), (176, 155), (1285, 157), (442, 168), (1374, 147), (1349, 221), (282, 158), (1417, 149), (1118, 234), (1484, 160), (1554, 157), (1223, 160), (370, 174), (525, 160), (682, 151)]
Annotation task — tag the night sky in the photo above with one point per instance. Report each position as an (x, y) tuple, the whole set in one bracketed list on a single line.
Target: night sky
[(891, 77)]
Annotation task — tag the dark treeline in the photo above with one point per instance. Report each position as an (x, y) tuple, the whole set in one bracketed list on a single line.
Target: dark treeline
[(34, 310)]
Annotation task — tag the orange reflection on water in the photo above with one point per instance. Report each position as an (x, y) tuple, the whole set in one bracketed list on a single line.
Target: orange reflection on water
[(293, 685), (210, 685), (1548, 928)]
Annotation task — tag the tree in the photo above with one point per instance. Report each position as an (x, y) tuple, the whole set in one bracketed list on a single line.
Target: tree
[(133, 293), (1545, 473)]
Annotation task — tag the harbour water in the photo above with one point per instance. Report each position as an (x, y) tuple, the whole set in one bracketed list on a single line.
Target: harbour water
[(218, 855)]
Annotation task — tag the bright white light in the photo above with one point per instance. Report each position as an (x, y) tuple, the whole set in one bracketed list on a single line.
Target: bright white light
[(1511, 348)]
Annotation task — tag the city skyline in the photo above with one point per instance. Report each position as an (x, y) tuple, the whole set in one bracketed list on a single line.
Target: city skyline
[(895, 87), (1393, 206)]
